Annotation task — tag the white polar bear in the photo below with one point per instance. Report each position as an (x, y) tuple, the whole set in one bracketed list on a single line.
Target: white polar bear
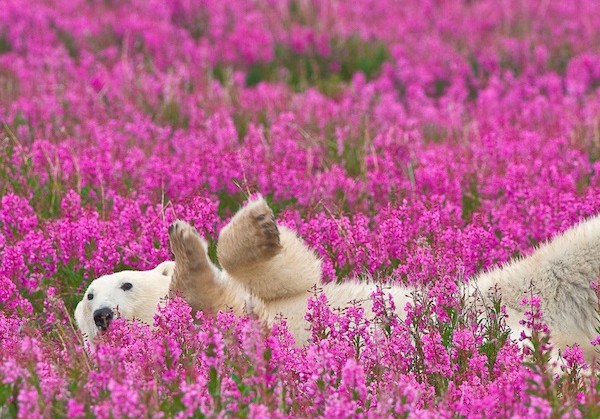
[(269, 271)]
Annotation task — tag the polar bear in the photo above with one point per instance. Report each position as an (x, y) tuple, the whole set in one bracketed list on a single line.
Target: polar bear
[(267, 271)]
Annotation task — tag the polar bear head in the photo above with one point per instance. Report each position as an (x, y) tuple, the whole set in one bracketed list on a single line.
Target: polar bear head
[(128, 294)]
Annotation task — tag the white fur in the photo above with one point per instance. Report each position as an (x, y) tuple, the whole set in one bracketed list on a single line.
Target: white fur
[(560, 272), (269, 271)]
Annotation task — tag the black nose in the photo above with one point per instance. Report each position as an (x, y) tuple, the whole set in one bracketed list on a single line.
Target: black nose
[(102, 318)]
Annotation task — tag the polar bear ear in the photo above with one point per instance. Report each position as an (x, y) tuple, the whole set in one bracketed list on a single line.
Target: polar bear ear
[(166, 268)]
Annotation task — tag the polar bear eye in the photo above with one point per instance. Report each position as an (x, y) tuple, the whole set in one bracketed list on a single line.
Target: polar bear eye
[(90, 296), (126, 286)]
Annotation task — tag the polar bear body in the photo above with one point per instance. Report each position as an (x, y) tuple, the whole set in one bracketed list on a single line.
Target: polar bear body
[(560, 272), (268, 271)]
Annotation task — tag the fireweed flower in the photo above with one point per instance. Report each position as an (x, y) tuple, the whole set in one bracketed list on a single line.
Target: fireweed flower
[(573, 357), (403, 152)]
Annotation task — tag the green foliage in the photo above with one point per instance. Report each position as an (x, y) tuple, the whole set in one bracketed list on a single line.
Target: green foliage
[(171, 406), (170, 114), (5, 45), (508, 62), (229, 203), (8, 399), (69, 42), (438, 88), (212, 251), (21, 179), (560, 57), (310, 69), (470, 200), (71, 282), (495, 331), (9, 86), (354, 160), (214, 387), (433, 133)]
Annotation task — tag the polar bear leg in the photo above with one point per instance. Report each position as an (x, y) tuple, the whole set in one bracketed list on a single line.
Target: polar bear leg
[(201, 283), (195, 278), (270, 260)]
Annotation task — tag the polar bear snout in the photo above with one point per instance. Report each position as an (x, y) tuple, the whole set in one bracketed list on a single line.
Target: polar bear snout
[(103, 317)]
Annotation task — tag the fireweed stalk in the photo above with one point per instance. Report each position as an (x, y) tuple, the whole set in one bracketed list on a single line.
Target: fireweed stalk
[(414, 143)]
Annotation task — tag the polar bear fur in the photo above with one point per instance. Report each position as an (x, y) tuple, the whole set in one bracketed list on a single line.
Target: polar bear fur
[(268, 271)]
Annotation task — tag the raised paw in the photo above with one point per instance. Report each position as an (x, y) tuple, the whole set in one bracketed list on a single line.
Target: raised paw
[(194, 278), (251, 237), (187, 245), (265, 228)]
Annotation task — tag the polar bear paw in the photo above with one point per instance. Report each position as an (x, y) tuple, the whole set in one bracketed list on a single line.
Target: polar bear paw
[(187, 245), (265, 228), (251, 237)]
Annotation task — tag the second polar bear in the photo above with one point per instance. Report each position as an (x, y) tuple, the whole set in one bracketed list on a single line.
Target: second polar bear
[(268, 271)]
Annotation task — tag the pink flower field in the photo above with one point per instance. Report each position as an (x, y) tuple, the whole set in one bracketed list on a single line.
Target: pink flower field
[(414, 142)]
